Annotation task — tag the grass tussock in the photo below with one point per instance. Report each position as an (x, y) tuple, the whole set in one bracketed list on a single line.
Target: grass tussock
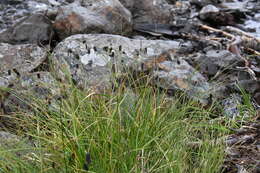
[(130, 131)]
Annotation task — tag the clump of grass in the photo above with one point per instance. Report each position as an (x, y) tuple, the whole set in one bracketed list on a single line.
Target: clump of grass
[(120, 132)]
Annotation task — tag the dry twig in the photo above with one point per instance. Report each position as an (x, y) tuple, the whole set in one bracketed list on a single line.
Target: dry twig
[(246, 39)]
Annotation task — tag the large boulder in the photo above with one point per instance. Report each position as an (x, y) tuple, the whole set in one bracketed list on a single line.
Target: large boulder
[(105, 16), (90, 60), (17, 60), (95, 61)]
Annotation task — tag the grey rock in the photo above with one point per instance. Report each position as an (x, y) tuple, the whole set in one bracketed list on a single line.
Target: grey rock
[(231, 141), (216, 60), (237, 5), (13, 11), (33, 29), (250, 86), (232, 152), (253, 25), (149, 11), (108, 16), (182, 11), (17, 60), (152, 11), (231, 105), (207, 10), (202, 3), (178, 75), (30, 89), (7, 78), (5, 136), (129, 4), (241, 169), (92, 60), (219, 90), (247, 139)]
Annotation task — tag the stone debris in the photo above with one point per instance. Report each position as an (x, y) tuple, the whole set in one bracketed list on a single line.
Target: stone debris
[(243, 149)]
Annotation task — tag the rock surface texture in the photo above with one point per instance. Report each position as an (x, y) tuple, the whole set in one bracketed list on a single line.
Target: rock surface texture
[(93, 17), (17, 60), (33, 29), (90, 59), (152, 11)]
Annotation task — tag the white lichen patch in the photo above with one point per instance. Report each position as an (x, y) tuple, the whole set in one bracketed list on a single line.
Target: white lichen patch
[(94, 59)]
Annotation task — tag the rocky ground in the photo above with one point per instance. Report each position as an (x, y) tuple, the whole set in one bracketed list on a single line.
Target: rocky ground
[(208, 49)]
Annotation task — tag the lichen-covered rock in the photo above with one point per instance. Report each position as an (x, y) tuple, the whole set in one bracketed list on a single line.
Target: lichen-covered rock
[(7, 78), (217, 17), (105, 16), (152, 11), (30, 89), (13, 11), (91, 60), (231, 105), (33, 29), (214, 61), (17, 60), (207, 10), (157, 11), (176, 74)]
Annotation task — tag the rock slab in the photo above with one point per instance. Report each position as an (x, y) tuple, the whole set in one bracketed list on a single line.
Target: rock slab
[(17, 60)]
